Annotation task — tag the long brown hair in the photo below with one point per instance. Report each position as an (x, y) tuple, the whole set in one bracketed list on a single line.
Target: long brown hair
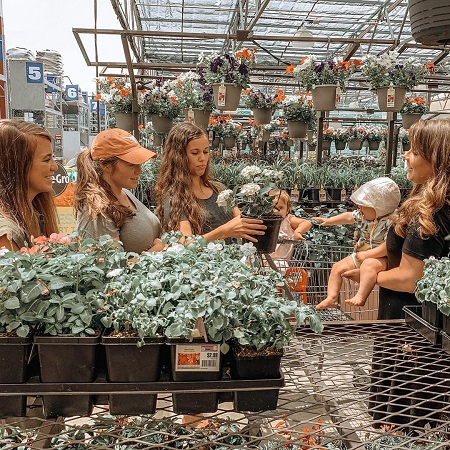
[(175, 180), (431, 140), (18, 143), (94, 193)]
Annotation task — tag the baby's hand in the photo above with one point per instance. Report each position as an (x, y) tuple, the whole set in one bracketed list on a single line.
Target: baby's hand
[(298, 236)]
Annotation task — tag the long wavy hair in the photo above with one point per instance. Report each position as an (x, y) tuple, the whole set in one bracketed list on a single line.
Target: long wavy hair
[(431, 140), (175, 181), (93, 193), (18, 144)]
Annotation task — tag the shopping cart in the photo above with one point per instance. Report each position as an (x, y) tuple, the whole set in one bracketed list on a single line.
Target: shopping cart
[(307, 273)]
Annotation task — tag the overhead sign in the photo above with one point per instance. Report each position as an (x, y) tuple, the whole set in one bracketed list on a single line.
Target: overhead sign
[(72, 92), (34, 72), (93, 107), (60, 180)]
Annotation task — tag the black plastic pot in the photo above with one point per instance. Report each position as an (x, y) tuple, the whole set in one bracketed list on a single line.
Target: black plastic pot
[(431, 314), (126, 362), (414, 318), (334, 193), (67, 359), (193, 403), (14, 353), (253, 368), (268, 241), (312, 194)]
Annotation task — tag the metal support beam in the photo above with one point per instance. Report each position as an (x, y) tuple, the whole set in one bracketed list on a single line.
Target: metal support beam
[(320, 121), (134, 102), (390, 144)]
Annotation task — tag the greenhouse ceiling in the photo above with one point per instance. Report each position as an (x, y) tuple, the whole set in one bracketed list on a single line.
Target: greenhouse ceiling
[(162, 37)]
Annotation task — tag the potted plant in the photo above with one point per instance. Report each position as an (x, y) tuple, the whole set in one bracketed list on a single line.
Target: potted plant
[(321, 78), (328, 138), (195, 97), (116, 94), (230, 131), (161, 103), (375, 135), (254, 199), (298, 111), (391, 79), (355, 137), (262, 104), (340, 138), (403, 137), (413, 109), (228, 75)]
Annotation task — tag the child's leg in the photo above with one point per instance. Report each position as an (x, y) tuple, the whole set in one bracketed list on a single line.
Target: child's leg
[(368, 277), (335, 282)]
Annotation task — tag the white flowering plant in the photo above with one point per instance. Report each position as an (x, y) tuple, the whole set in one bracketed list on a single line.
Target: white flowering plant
[(159, 98), (192, 91), (298, 108), (115, 93), (253, 194), (403, 136), (234, 69), (385, 70), (376, 134)]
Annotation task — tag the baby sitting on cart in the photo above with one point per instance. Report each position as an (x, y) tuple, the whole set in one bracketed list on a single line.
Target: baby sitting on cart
[(376, 200)]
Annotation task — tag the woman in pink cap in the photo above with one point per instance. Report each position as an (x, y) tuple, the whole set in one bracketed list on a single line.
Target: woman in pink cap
[(103, 201)]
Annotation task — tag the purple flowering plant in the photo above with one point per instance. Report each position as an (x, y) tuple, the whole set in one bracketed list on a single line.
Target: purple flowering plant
[(234, 69)]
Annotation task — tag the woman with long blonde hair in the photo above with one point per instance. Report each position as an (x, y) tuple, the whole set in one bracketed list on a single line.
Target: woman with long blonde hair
[(186, 194), (26, 202)]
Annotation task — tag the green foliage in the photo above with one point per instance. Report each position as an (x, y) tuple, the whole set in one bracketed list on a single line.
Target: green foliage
[(434, 286)]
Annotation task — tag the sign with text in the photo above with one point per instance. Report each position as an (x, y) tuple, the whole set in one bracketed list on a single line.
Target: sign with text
[(72, 92), (34, 72), (66, 219), (60, 180)]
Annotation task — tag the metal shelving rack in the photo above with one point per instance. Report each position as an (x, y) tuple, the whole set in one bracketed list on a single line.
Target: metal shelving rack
[(328, 383)]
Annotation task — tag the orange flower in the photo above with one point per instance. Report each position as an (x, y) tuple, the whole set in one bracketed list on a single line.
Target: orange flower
[(98, 97), (356, 62), (304, 58), (290, 68)]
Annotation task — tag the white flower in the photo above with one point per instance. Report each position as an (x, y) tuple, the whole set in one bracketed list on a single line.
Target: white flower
[(3, 251), (176, 248), (114, 273), (247, 249), (250, 189), (224, 198), (250, 171), (214, 247)]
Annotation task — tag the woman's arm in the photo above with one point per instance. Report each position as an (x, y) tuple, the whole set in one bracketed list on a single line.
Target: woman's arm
[(4, 242), (341, 219), (404, 277)]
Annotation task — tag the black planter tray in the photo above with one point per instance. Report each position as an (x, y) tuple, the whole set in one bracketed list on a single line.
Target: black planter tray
[(34, 387), (413, 317), (445, 342)]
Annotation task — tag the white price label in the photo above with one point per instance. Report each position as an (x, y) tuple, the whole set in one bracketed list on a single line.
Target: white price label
[(338, 95), (190, 115), (222, 95), (390, 101), (197, 357)]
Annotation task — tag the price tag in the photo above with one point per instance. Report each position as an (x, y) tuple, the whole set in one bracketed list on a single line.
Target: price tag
[(190, 115), (390, 101), (222, 95), (338, 95), (343, 194), (197, 357), (322, 194)]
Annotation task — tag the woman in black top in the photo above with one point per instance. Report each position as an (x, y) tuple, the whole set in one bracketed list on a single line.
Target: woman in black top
[(186, 195), (408, 388)]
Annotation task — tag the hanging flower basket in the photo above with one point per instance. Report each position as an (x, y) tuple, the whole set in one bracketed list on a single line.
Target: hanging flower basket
[(161, 124), (229, 142), (373, 145), (124, 121), (391, 99), (297, 129), (326, 145), (340, 145), (201, 117), (410, 119), (226, 96), (262, 115), (324, 97), (355, 144)]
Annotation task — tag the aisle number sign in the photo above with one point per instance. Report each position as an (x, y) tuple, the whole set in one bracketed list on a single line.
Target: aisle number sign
[(72, 92), (94, 107), (34, 72)]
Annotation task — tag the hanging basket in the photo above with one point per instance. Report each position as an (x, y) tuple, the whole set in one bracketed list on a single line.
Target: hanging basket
[(406, 146), (373, 145), (324, 97), (340, 145), (355, 144), (161, 124), (262, 115), (229, 142), (410, 119), (310, 135), (201, 117), (388, 102), (157, 140), (227, 100), (124, 121), (215, 142), (326, 145), (297, 129)]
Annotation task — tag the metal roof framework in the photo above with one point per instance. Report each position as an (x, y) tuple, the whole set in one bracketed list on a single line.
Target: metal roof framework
[(161, 38)]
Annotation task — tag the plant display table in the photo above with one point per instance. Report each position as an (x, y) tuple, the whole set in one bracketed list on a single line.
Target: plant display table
[(327, 397)]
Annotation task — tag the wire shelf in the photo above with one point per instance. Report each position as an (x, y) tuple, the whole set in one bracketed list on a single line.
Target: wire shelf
[(337, 388)]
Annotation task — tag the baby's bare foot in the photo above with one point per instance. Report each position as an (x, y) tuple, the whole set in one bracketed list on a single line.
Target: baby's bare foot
[(329, 302), (357, 300)]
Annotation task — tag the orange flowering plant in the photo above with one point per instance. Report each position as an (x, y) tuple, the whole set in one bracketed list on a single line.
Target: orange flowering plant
[(115, 93), (255, 98), (224, 126), (311, 73), (234, 69), (415, 105)]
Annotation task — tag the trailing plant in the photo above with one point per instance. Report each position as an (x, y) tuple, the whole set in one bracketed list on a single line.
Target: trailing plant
[(298, 108), (255, 98), (159, 98), (415, 105)]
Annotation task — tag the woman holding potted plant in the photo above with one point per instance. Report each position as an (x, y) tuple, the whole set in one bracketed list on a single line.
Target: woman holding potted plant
[(186, 194), (26, 202)]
